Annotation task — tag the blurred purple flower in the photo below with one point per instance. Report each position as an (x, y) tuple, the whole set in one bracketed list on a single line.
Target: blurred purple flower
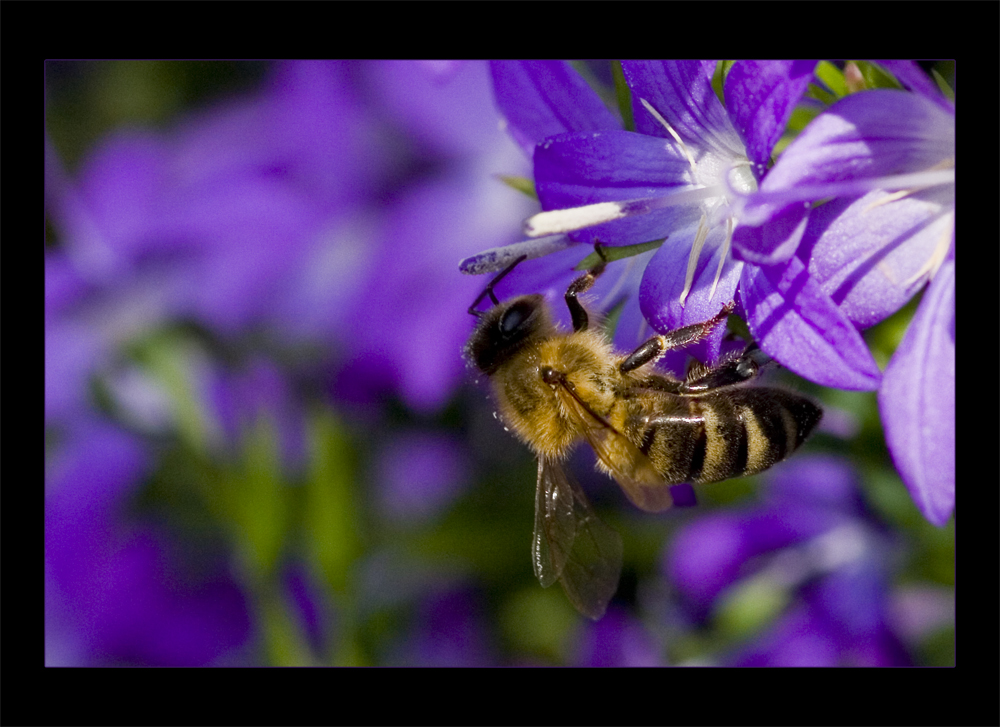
[(809, 541), (616, 640), (323, 214), (418, 474), (449, 630), (117, 593), (259, 390), (268, 212), (405, 322), (210, 221)]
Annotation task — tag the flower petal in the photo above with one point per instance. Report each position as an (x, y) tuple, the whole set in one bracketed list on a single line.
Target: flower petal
[(865, 136), (681, 91), (917, 401), (870, 134), (572, 170), (776, 241), (663, 281), (875, 253), (802, 328), (540, 99), (761, 96)]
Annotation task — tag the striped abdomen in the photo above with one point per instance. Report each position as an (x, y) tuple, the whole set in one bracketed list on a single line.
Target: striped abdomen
[(717, 436)]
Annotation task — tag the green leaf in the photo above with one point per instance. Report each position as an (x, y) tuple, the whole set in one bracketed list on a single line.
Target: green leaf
[(332, 517), (942, 84), (624, 95), (876, 77), (750, 605), (522, 184), (722, 69), (258, 499), (618, 253)]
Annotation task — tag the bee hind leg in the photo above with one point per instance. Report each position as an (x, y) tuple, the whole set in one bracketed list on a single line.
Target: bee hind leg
[(729, 373)]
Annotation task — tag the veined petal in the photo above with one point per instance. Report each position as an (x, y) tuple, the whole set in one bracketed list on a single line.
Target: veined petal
[(798, 325), (913, 77), (664, 279), (917, 401), (540, 99), (870, 134), (573, 170), (875, 253), (776, 241), (862, 138), (761, 96), (681, 91)]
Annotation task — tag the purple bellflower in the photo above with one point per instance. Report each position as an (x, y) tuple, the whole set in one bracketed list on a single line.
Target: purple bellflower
[(806, 279), (673, 178), (808, 559), (884, 161)]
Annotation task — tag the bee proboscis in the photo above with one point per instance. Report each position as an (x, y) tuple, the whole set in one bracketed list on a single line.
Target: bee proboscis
[(649, 430)]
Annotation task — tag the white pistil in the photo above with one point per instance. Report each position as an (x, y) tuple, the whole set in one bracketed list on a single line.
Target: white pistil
[(576, 218), (808, 192), (572, 218), (497, 258)]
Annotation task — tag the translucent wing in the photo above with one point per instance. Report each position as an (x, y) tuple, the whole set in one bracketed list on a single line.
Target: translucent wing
[(632, 469), (555, 524), (571, 544)]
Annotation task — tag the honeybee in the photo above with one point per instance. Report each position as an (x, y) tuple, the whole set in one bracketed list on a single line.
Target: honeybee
[(648, 429)]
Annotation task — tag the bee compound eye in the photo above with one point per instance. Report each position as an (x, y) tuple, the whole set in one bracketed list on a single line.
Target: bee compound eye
[(514, 319)]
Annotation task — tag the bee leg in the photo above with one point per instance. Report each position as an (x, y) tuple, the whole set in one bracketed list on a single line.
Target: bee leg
[(489, 288), (735, 371), (581, 285), (659, 345)]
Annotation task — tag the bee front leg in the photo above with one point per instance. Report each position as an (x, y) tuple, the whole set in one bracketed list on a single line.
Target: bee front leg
[(489, 288), (581, 285), (659, 345)]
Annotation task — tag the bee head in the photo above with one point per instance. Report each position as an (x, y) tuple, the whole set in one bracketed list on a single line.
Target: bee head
[(503, 330)]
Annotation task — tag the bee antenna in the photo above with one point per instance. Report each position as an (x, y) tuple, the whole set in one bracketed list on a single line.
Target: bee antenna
[(489, 288)]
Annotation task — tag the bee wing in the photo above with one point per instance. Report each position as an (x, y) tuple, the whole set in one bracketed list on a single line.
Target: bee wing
[(555, 525), (571, 543), (632, 469)]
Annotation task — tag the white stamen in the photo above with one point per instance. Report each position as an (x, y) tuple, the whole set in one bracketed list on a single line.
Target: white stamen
[(670, 129), (931, 265), (723, 254), (889, 198), (576, 218), (699, 242)]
